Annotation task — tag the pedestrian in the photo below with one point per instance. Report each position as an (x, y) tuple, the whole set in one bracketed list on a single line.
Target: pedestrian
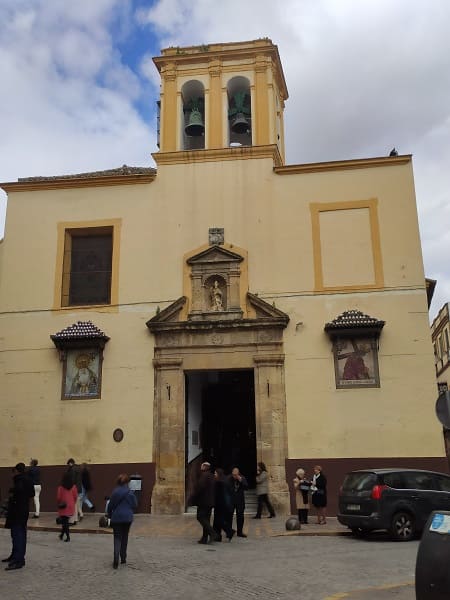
[(75, 472), (302, 487), (319, 494), (66, 501), (86, 486), (34, 472), (17, 516), (237, 484), (262, 491), (203, 499), (121, 507), (222, 506)]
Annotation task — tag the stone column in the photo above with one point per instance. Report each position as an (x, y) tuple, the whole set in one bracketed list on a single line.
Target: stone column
[(234, 296), (168, 437), (261, 101), (214, 124), (271, 425)]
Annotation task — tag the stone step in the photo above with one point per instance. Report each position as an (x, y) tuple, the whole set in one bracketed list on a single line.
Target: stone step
[(251, 503)]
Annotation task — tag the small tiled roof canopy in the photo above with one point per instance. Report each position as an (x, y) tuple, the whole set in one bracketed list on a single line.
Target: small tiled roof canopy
[(79, 334), (354, 322)]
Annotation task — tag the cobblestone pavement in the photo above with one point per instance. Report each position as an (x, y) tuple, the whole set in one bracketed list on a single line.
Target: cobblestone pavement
[(167, 567)]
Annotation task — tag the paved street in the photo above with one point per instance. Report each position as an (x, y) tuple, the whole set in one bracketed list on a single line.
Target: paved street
[(168, 567)]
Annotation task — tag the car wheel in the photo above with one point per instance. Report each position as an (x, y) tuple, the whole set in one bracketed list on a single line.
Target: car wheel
[(360, 532), (402, 527)]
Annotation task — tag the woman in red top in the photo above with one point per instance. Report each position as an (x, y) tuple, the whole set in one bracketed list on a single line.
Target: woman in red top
[(66, 498)]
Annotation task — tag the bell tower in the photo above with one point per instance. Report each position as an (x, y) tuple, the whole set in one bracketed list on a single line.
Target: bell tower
[(220, 96)]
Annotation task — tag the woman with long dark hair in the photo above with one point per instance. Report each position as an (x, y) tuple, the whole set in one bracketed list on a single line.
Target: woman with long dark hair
[(66, 499), (121, 507)]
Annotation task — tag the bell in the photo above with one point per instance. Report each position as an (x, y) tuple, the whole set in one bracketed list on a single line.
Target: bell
[(240, 124), (195, 126)]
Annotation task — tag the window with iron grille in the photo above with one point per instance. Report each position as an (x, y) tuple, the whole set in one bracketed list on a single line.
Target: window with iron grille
[(87, 266)]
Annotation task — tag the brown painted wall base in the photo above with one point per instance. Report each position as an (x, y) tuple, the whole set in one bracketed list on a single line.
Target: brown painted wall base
[(335, 469), (103, 480)]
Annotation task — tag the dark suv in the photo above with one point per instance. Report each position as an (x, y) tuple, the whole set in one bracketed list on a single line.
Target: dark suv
[(399, 500)]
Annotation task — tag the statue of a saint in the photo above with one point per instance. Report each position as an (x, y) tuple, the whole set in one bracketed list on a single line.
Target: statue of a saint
[(216, 297)]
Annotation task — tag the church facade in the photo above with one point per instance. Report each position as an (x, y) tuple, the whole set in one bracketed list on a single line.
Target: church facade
[(224, 306)]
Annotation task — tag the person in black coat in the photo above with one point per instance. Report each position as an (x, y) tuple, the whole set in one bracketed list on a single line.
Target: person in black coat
[(237, 485), (222, 506), (203, 499), (34, 473), (17, 516), (319, 494)]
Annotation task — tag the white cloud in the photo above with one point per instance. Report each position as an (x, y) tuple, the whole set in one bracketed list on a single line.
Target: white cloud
[(67, 101)]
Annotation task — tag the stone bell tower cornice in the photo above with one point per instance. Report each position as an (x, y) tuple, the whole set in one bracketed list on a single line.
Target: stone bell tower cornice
[(207, 53)]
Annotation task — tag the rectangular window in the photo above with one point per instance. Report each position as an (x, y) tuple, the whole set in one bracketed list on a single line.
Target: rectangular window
[(87, 268)]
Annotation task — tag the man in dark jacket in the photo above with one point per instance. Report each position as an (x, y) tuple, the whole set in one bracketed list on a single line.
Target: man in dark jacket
[(238, 484), (203, 498), (17, 516)]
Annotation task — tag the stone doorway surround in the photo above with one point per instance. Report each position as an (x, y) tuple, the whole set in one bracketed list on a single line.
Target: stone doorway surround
[(217, 339)]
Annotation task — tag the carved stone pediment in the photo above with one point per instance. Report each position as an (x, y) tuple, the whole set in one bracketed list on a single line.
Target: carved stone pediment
[(168, 315), (264, 310), (267, 316), (215, 254), (215, 284)]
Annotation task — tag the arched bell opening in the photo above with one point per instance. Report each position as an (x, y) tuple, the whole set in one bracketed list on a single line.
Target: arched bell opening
[(239, 112), (193, 121)]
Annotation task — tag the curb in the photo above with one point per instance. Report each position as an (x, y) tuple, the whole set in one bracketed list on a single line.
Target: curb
[(57, 529), (312, 534), (363, 593), (72, 529)]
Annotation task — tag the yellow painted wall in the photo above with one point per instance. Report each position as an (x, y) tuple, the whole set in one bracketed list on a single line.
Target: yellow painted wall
[(267, 215)]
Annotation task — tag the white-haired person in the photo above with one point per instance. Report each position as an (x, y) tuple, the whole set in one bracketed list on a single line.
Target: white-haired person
[(302, 487)]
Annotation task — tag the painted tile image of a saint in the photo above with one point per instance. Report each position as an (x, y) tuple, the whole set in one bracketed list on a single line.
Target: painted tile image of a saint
[(355, 360), (82, 373)]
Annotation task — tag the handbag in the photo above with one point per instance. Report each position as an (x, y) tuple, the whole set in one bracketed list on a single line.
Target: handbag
[(59, 520), (62, 504)]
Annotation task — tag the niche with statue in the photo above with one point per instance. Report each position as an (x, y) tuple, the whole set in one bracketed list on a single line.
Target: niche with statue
[(216, 293), (215, 280)]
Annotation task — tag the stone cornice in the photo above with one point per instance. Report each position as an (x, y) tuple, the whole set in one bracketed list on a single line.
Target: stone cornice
[(219, 154), (269, 360), (343, 165), (230, 51), (198, 326)]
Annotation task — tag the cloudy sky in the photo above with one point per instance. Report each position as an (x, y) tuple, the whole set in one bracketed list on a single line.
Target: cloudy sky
[(78, 88)]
